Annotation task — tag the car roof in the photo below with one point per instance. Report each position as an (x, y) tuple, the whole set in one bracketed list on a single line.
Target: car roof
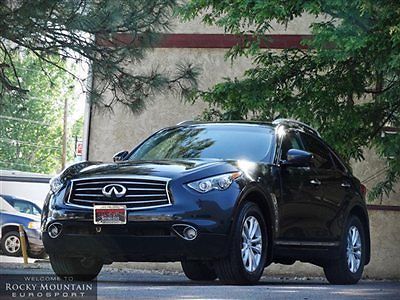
[(12, 197), (232, 122), (290, 123)]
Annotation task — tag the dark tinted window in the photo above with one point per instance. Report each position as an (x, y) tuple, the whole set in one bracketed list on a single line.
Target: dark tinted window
[(290, 141), (339, 165), (211, 141), (322, 157)]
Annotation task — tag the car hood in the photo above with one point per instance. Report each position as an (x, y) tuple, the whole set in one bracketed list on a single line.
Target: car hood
[(162, 168)]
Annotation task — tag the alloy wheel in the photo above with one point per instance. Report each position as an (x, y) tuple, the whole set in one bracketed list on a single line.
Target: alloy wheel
[(12, 244), (353, 249), (251, 244)]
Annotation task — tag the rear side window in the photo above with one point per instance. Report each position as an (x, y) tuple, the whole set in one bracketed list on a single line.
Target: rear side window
[(322, 156), (339, 165)]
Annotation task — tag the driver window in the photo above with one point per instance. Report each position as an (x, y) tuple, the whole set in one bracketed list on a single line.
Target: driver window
[(290, 141)]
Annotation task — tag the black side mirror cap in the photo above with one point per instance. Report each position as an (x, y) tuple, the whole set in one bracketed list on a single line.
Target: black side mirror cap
[(298, 158), (120, 156)]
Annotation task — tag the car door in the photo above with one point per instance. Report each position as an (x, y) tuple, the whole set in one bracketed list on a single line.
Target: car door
[(333, 188), (339, 191), (296, 220)]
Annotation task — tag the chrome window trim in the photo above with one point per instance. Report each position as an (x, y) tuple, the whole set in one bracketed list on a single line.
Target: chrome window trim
[(145, 177)]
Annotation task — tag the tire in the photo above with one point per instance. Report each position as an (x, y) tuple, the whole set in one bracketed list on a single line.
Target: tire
[(235, 269), (11, 244), (198, 270), (82, 269), (341, 271)]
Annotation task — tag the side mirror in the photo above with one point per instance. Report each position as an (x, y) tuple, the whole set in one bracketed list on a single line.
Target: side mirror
[(299, 158), (119, 156)]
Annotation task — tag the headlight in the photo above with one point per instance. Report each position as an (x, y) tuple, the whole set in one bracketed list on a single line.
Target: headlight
[(34, 225), (220, 182), (56, 184)]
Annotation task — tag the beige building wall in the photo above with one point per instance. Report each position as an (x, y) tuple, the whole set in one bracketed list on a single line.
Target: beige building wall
[(110, 133), (122, 130)]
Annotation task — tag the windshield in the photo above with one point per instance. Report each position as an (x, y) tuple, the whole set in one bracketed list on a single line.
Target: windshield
[(212, 141)]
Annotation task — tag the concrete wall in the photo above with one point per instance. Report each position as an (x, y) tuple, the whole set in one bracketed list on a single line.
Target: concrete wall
[(33, 191), (26, 185)]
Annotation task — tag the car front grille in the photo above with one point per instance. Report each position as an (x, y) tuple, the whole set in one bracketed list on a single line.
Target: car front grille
[(140, 192)]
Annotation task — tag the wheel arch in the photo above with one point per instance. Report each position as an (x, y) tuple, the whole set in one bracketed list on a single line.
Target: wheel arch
[(265, 204), (8, 227), (362, 214)]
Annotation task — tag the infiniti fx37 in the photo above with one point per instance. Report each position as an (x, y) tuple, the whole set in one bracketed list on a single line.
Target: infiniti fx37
[(224, 199)]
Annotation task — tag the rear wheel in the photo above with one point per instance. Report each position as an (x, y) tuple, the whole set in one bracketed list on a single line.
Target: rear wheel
[(349, 267), (84, 269), (198, 270), (246, 260)]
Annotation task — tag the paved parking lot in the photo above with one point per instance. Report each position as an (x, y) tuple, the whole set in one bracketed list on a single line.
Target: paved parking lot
[(140, 285), (117, 283)]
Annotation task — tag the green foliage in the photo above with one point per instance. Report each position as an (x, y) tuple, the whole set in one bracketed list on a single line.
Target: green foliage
[(77, 129), (346, 84), (31, 127), (107, 35)]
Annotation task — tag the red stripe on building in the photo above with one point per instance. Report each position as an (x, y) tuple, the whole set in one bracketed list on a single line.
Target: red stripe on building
[(383, 207), (183, 40)]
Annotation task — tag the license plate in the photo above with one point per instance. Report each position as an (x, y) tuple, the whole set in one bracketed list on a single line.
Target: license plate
[(109, 214)]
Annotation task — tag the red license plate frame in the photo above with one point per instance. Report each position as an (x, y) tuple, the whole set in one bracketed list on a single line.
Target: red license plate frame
[(109, 214)]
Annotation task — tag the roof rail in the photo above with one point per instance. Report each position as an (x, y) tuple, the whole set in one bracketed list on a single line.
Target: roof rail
[(297, 123), (186, 122)]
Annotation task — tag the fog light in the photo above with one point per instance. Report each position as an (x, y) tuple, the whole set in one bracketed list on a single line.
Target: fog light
[(190, 233), (185, 231), (54, 230)]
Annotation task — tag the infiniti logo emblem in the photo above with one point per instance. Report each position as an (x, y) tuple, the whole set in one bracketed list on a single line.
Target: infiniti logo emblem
[(116, 190)]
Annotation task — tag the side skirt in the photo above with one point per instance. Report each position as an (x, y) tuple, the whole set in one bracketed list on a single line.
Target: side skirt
[(318, 253)]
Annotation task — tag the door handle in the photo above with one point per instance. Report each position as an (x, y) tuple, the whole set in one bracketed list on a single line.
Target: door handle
[(315, 182), (345, 185)]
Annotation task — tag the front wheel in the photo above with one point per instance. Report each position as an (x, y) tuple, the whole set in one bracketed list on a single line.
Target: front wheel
[(348, 268), (83, 269), (11, 244), (246, 260)]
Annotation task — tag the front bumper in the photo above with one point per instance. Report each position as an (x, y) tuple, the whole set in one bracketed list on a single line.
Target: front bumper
[(148, 234), (110, 246)]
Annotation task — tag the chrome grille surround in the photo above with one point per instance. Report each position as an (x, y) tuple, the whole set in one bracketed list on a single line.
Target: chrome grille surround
[(150, 192)]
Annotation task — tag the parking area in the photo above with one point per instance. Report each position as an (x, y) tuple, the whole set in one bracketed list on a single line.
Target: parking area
[(117, 282)]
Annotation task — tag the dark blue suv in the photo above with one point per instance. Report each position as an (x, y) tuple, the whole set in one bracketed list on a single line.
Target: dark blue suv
[(225, 199)]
